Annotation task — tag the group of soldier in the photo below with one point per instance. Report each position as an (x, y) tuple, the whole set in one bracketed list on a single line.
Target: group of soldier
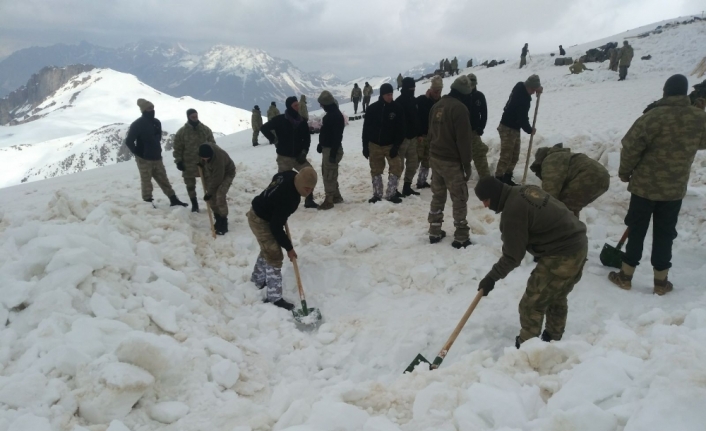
[(620, 59)]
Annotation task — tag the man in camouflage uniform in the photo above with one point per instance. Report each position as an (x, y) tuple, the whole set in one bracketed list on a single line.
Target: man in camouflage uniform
[(367, 93), (613, 59), (515, 117), (218, 175), (625, 58), (424, 105), (450, 136), (578, 67), (573, 178), (303, 108), (523, 56), (144, 140), (447, 67), (256, 122), (187, 141), (532, 220), (356, 95), (478, 109), (655, 160), (454, 66), (272, 112), (408, 149)]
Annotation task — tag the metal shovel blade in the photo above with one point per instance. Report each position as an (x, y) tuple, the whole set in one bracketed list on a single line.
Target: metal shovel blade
[(311, 316), (418, 360), (611, 256)]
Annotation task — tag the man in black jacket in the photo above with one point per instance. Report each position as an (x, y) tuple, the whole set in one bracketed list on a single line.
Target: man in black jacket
[(478, 109), (330, 140), (293, 139), (144, 141), (515, 117), (267, 218), (408, 149), (424, 105), (523, 56), (383, 133)]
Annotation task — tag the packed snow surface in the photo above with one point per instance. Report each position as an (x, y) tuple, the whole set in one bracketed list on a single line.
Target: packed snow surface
[(121, 316)]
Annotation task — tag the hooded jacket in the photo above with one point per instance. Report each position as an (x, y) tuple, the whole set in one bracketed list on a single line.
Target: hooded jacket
[(144, 138), (332, 125), (292, 133)]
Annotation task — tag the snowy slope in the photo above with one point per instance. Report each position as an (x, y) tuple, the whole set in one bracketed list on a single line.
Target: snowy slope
[(124, 314), (82, 125)]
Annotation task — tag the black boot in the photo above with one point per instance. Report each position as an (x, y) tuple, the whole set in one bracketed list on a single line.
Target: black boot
[(194, 205), (546, 337), (174, 201), (222, 228), (309, 202), (433, 239), (255, 144), (459, 245), (217, 222), (282, 303), (508, 179), (407, 190)]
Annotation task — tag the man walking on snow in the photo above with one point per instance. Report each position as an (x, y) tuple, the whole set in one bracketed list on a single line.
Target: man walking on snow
[(515, 117), (356, 95), (367, 93), (256, 123), (523, 56), (450, 136), (331, 148), (408, 149), (272, 112), (267, 217), (187, 141), (218, 175), (424, 105), (292, 134), (656, 160), (478, 109), (144, 140), (625, 58), (533, 221), (383, 133)]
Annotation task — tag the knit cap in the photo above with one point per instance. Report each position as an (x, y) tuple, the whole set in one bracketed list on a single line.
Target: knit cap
[(386, 88), (676, 85), (489, 188), (145, 105), (205, 151), (306, 178), (462, 85), (190, 111), (408, 83), (437, 83), (289, 101), (326, 98), (533, 82)]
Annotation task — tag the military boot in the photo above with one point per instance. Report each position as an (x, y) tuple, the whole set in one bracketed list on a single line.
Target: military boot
[(309, 201), (217, 222), (546, 337), (437, 237), (623, 279), (194, 205), (282, 303), (327, 204), (222, 229), (377, 189), (662, 284), (459, 245), (337, 198), (407, 190), (174, 201), (507, 179), (392, 194)]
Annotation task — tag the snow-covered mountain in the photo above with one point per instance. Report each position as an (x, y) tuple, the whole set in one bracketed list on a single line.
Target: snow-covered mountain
[(83, 123)]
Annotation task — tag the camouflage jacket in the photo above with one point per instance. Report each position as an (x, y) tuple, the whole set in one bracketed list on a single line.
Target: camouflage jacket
[(659, 149), (356, 93), (454, 64), (256, 119), (625, 55), (399, 80), (218, 168), (577, 68), (566, 175), (272, 112), (186, 147), (303, 108), (367, 91), (450, 133)]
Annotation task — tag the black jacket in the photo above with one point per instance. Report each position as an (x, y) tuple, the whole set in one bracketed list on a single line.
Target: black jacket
[(516, 112), (145, 136), (332, 125), (274, 205), (479, 111), (524, 51), (424, 105), (411, 116), (561, 51), (383, 124), (292, 133)]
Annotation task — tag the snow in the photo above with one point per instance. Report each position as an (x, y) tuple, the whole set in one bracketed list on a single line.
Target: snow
[(124, 316)]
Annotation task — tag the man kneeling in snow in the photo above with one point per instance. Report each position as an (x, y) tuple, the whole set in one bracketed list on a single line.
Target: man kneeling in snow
[(534, 221), (218, 175), (267, 217)]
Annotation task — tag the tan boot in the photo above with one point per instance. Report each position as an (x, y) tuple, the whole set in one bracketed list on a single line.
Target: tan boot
[(662, 284), (327, 203), (623, 279)]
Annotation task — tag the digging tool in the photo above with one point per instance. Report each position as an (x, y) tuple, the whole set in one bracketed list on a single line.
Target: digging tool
[(445, 350), (529, 149), (613, 256), (208, 204), (306, 316)]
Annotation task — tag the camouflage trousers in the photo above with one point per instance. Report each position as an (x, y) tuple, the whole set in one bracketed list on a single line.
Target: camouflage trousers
[(584, 189), (266, 275), (285, 163), (523, 61), (410, 158), (190, 183), (378, 155), (509, 150), (270, 249), (255, 135), (355, 105), (479, 153), (329, 171), (423, 151), (448, 177), (153, 169), (548, 287), (219, 203), (366, 102)]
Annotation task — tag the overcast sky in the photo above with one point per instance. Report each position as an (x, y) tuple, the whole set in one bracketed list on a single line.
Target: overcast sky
[(351, 38)]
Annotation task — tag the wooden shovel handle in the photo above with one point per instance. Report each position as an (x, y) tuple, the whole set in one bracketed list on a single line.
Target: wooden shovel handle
[(296, 268), (208, 204), (623, 238), (445, 350), (529, 148)]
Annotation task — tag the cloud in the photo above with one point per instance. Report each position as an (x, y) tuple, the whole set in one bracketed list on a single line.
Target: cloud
[(349, 38)]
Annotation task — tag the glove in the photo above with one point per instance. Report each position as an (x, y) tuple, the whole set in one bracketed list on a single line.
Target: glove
[(180, 166), (625, 179), (366, 152), (319, 148), (301, 159), (394, 151), (467, 172), (486, 285), (207, 197)]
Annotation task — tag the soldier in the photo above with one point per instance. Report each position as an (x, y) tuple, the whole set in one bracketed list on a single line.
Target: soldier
[(267, 218), (356, 95), (656, 160), (450, 135), (441, 65), (218, 175), (561, 51), (578, 67), (256, 122), (625, 57), (424, 104), (186, 152), (292, 133), (515, 117), (533, 221), (383, 133), (303, 109), (523, 56), (454, 66), (331, 148), (469, 63), (367, 93), (478, 109), (408, 149), (272, 112), (399, 82), (144, 140), (447, 67), (573, 178)]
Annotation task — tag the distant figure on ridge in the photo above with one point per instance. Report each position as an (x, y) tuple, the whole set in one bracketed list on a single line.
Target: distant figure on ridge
[(256, 123), (454, 66), (561, 50), (367, 93), (625, 57), (523, 56), (399, 82), (356, 95)]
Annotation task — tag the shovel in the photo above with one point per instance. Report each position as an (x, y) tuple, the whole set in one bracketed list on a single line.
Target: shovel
[(445, 350), (305, 316), (208, 205), (613, 256), (529, 148)]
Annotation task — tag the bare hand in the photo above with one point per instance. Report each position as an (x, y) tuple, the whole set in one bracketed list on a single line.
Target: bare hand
[(292, 255), (534, 130), (539, 90)]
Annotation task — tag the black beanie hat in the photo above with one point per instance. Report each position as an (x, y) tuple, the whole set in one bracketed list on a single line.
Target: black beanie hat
[(205, 151), (273, 104), (489, 188), (289, 101), (190, 111), (408, 83), (257, 107), (676, 85), (386, 88)]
